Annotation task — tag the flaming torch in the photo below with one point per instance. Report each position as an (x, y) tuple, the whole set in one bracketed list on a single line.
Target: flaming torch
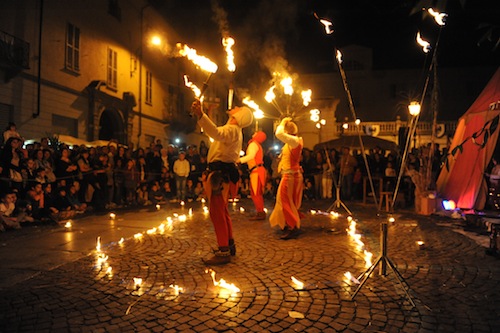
[(438, 17), (228, 43), (200, 61), (426, 46)]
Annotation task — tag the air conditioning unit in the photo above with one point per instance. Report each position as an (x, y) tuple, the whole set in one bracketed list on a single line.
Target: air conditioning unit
[(372, 130)]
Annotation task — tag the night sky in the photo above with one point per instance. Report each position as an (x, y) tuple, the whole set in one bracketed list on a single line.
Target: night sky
[(277, 35)]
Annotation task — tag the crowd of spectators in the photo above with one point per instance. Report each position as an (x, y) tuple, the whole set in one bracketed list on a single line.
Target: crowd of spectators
[(51, 181)]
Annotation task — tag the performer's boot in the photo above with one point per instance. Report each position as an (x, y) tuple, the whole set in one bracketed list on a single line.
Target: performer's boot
[(221, 257), (290, 233), (232, 247), (259, 216)]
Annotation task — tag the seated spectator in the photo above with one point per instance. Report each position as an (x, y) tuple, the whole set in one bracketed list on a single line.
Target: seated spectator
[(143, 195), (269, 190), (74, 200), (190, 193), (167, 192), (308, 192), (155, 194), (35, 198), (62, 205), (7, 206), (199, 191)]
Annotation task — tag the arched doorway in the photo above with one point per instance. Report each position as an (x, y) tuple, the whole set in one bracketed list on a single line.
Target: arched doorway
[(111, 126)]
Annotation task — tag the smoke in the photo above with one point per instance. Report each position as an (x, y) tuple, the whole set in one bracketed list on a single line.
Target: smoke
[(220, 18)]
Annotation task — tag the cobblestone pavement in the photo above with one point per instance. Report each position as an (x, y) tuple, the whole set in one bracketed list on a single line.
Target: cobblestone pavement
[(454, 284)]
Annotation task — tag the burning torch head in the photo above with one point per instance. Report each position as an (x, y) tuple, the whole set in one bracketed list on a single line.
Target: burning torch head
[(243, 116)]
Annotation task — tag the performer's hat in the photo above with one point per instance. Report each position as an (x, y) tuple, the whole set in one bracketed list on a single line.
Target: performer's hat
[(243, 116)]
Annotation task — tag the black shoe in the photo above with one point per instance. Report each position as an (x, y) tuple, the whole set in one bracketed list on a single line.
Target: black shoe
[(232, 247), (290, 234)]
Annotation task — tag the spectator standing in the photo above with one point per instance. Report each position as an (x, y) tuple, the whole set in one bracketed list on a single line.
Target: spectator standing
[(181, 171), (346, 167)]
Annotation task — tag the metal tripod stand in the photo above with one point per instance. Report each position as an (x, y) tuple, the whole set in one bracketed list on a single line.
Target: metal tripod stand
[(384, 260), (338, 202)]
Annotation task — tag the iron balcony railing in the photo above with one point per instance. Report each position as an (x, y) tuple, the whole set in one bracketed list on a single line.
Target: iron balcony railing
[(14, 52)]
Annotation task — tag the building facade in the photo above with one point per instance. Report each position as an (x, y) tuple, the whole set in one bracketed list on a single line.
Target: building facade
[(90, 69)]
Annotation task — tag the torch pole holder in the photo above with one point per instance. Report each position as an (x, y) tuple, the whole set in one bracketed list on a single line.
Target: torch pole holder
[(385, 261)]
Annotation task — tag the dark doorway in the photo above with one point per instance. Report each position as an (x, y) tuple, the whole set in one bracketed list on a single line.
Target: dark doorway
[(111, 126)]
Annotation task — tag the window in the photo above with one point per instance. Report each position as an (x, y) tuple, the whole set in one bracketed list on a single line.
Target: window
[(72, 48), (111, 81), (149, 88)]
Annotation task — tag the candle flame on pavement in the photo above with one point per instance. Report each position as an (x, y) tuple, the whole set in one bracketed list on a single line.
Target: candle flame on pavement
[(334, 214), (190, 212), (137, 283), (297, 283), (426, 46), (138, 235), (350, 278), (360, 246), (98, 245), (438, 17), (112, 216), (242, 210), (109, 271), (306, 97), (68, 225), (121, 241), (228, 43), (200, 61), (176, 289), (151, 231), (223, 284), (205, 210)]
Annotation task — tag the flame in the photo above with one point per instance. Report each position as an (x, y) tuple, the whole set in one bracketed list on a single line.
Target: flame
[(203, 200), (223, 284), (121, 241), (286, 83), (298, 284), (190, 212), (426, 46), (258, 113), (138, 235), (200, 61), (339, 56), (182, 203), (182, 217), (438, 17), (328, 26), (242, 210), (192, 86), (176, 289), (350, 278), (151, 231), (334, 214), (101, 259), (205, 210), (112, 216), (368, 259), (137, 282), (306, 97), (109, 271), (228, 42), (98, 245), (68, 225), (270, 95), (158, 207)]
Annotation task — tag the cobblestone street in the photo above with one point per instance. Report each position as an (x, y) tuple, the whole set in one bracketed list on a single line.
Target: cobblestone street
[(454, 284)]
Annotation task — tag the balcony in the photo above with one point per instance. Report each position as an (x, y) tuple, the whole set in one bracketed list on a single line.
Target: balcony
[(14, 55)]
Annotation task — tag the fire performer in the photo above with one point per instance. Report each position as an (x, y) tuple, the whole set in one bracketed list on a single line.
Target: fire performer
[(289, 197), (223, 173), (254, 157)]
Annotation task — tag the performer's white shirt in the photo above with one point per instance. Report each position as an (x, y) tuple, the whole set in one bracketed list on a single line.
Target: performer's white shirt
[(292, 140), (228, 141), (252, 150)]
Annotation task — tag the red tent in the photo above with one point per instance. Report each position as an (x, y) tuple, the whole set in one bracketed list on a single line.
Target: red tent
[(463, 180)]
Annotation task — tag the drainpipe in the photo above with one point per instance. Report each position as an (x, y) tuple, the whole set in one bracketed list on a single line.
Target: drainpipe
[(139, 133), (39, 79)]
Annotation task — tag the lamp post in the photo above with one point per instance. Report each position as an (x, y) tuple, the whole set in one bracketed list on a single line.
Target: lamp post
[(414, 110)]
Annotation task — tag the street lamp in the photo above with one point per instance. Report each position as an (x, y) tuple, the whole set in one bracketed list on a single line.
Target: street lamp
[(414, 108)]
